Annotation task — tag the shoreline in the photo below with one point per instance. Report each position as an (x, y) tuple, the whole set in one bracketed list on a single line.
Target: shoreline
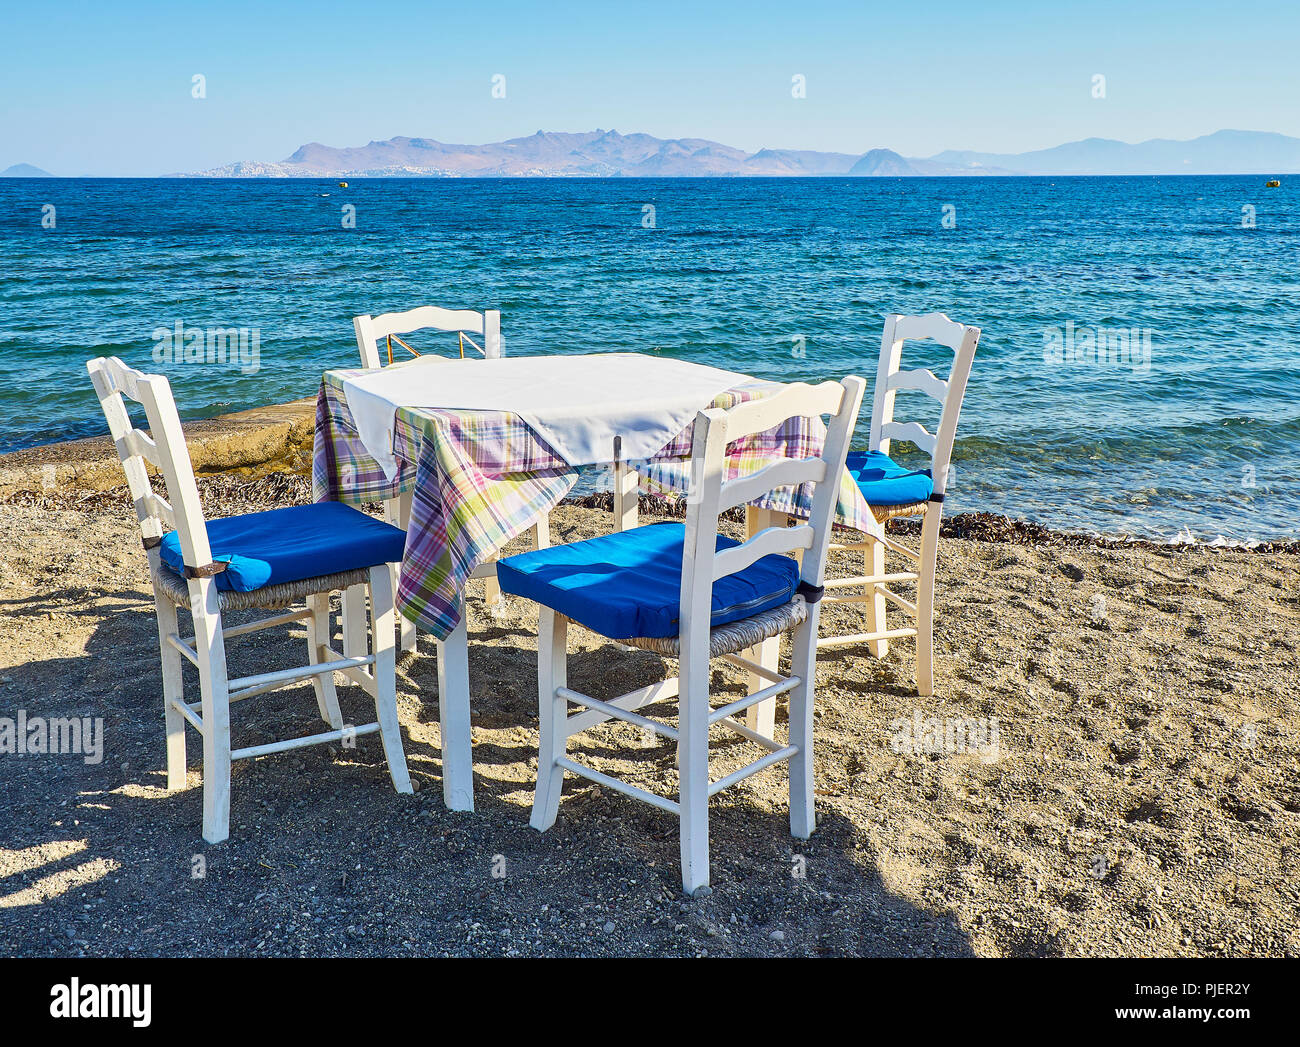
[(275, 441), (255, 442)]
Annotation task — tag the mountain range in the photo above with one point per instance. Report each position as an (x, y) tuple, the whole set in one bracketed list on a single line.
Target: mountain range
[(602, 153), (607, 154)]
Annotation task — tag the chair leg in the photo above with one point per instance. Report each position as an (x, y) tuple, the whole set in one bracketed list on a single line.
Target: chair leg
[(552, 712), (925, 601), (318, 650), (542, 533), (803, 664), (355, 643), (213, 683), (390, 730), (693, 766), (873, 559), (173, 690)]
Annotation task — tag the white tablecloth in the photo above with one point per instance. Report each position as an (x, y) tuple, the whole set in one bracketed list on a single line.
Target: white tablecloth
[(569, 401)]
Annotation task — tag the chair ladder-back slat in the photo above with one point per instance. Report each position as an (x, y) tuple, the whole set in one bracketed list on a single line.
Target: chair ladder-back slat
[(789, 472), (912, 432), (923, 380), (767, 542)]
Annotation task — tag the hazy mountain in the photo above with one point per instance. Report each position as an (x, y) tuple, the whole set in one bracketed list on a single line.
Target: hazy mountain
[(24, 171), (883, 163), (596, 153), (1224, 152), (800, 162), (602, 153)]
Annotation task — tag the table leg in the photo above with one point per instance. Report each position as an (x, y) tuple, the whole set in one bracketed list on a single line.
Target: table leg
[(401, 508), (762, 717), (626, 496), (453, 714), (492, 598)]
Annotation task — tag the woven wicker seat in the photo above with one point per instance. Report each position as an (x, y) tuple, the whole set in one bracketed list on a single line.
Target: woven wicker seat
[(269, 597), (888, 512), (734, 636)]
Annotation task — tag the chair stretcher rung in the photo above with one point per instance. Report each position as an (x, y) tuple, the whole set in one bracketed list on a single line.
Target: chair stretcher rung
[(266, 623), (901, 549), (609, 709), (748, 732), (655, 692), (185, 644), (762, 762), (239, 696), (253, 692), (754, 667), (297, 673), (183, 647), (870, 579), (753, 699), (897, 600), (883, 634), (362, 679), (298, 743), (851, 598), (664, 804), (189, 714)]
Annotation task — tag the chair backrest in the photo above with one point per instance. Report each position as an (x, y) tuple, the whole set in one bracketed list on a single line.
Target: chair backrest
[(710, 496), (370, 329), (962, 340), (165, 450)]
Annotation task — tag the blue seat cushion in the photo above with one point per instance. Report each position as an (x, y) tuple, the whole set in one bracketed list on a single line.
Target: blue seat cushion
[(884, 482), (629, 584), (288, 545)]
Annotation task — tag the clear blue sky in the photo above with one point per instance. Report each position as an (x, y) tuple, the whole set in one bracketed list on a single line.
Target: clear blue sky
[(105, 88)]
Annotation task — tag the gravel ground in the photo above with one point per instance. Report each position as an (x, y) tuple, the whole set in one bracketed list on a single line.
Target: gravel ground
[(1143, 797)]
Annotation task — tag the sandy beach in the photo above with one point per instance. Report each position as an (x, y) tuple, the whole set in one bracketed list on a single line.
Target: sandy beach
[(1142, 798)]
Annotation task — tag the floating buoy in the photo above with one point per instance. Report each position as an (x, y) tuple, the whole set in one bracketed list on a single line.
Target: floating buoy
[(1272, 183), (343, 185)]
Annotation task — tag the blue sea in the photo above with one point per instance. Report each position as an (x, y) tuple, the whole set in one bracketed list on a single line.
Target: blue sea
[(1192, 428)]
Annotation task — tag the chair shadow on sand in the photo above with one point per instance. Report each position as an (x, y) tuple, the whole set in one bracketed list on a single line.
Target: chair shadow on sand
[(101, 859)]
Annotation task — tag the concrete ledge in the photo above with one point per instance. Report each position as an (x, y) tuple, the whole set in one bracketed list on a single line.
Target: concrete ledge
[(264, 440)]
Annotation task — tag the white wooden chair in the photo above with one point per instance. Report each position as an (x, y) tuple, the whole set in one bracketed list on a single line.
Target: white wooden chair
[(352, 548), (892, 490), (390, 327), (687, 592)]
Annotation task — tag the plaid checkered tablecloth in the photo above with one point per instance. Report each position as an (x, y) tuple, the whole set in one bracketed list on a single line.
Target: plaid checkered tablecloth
[(479, 478)]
